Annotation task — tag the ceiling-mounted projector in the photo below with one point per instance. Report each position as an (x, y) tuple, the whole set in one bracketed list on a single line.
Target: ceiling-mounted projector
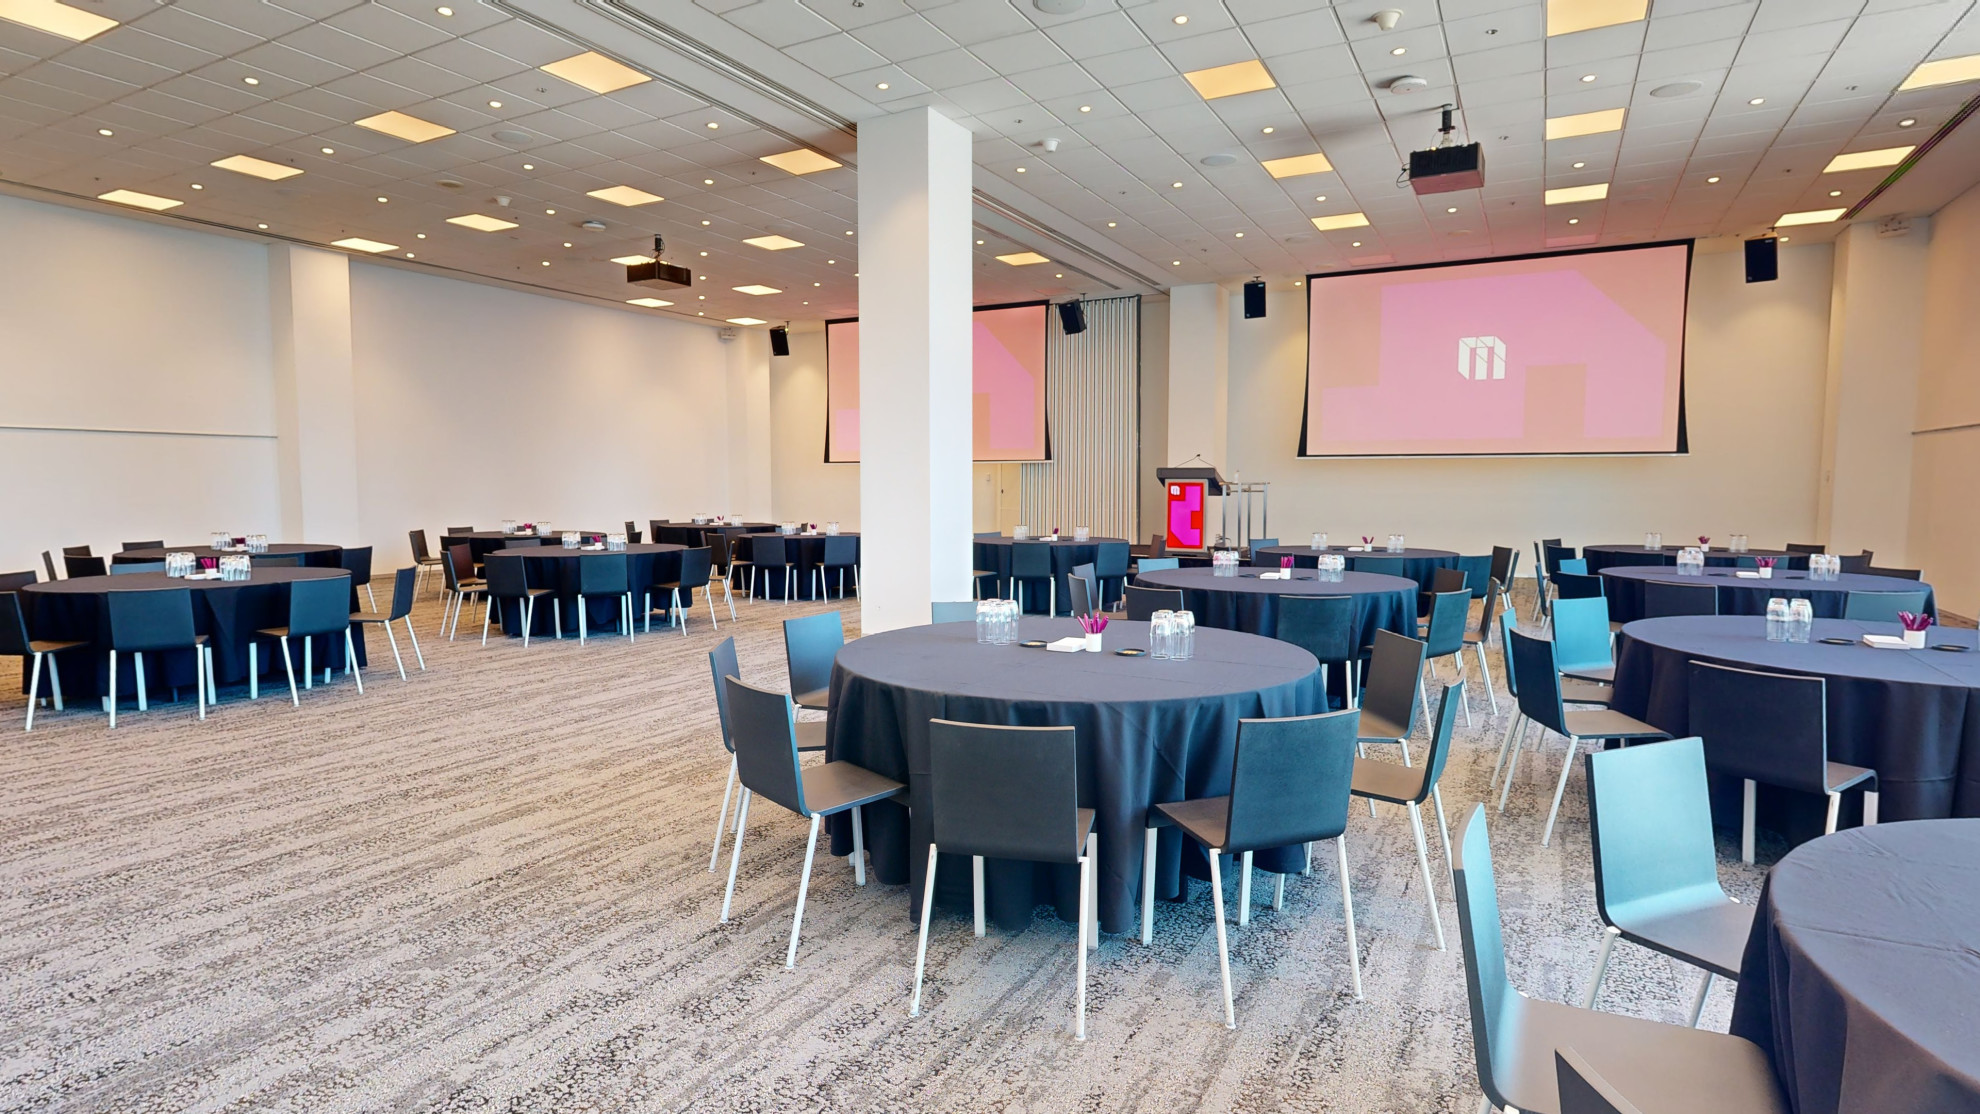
[(1448, 166), (660, 276)]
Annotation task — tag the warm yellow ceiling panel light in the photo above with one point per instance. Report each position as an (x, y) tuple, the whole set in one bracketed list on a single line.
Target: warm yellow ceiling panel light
[(595, 72), (625, 195), (773, 243), (649, 303), (1585, 123), (54, 18), (1867, 160), (747, 321), (257, 168), (1229, 81), (1811, 216), (481, 223), (632, 260), (141, 200), (1022, 258), (359, 243), (1293, 167), (756, 288), (398, 125), (802, 161), (1568, 195), (1565, 17), (1943, 71), (1340, 221)]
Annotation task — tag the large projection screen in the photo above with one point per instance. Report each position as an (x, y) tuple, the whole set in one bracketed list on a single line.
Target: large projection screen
[(1574, 352), (1007, 393)]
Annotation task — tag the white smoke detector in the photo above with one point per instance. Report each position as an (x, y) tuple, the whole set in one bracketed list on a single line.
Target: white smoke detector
[(1409, 84)]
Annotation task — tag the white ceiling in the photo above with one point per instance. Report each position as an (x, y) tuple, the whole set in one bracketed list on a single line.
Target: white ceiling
[(776, 74)]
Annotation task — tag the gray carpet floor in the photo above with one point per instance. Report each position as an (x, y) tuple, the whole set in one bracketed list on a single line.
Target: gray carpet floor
[(487, 888)]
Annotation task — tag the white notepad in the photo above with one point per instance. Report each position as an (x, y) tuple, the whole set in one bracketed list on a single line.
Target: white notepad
[(1884, 641), (1071, 645)]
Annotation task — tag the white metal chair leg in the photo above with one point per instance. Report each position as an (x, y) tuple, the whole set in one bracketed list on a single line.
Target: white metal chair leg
[(735, 855), (722, 817), (1609, 934), (1746, 821), (804, 881), (1560, 787), (1512, 765), (1244, 889), (55, 686), (289, 667), (1835, 811), (1423, 860), (350, 660), (1223, 945), (1505, 746), (254, 672), (584, 628), (309, 662), (34, 692), (1347, 908), (921, 950), (1086, 916), (1278, 891), (396, 659), (1485, 671), (113, 690), (1444, 830), (137, 667), (1698, 1001), (976, 891), (859, 848), (418, 654), (1464, 689), (1148, 886), (1870, 799), (199, 677)]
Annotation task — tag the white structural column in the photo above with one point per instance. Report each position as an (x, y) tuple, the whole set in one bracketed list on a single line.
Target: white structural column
[(1199, 375), (747, 364), (315, 397), (914, 366)]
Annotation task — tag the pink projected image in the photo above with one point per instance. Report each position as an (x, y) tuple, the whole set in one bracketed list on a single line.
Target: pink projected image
[(1007, 385), (1578, 353)]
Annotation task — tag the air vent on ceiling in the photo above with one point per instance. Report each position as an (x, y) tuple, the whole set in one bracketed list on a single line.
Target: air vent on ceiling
[(449, 183), (512, 137), (1219, 159), (1677, 89)]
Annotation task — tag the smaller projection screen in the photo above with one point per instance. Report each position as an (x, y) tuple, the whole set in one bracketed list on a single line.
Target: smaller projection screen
[(1579, 352), (1008, 392)]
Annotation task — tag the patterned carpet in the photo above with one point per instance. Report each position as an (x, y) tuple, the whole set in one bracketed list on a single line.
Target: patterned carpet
[(487, 889)]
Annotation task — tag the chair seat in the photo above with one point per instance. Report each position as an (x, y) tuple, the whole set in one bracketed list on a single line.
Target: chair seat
[(41, 646), (1388, 781), (1710, 932), (817, 700), (1376, 729), (810, 734), (838, 786), (1206, 820), (1662, 1067), (370, 617), (429, 560), (198, 639), (283, 632), (1585, 692), (1841, 775), (1603, 673), (1604, 723)]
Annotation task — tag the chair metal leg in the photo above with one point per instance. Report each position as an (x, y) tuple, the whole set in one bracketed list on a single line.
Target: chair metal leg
[(1444, 830), (804, 882), (1423, 860), (199, 677), (584, 632), (1512, 766), (1347, 908), (528, 618), (1870, 800), (976, 891), (1464, 691), (1278, 891), (1148, 886), (55, 686), (1093, 890), (1223, 945), (485, 617), (1485, 671), (735, 856), (859, 847), (1835, 811), (1244, 890), (137, 660), (396, 659), (708, 591), (557, 615), (1746, 822), (1086, 912), (1609, 934), (289, 667), (309, 662), (722, 817), (350, 660), (921, 950), (254, 672), (113, 690), (1698, 1002), (1560, 787), (369, 596), (418, 654), (34, 692)]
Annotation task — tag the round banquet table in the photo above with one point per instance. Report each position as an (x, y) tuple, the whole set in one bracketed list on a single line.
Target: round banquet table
[(1912, 715), (553, 566), (481, 543), (1420, 565), (1148, 731), (1860, 979), (994, 555), (1612, 556), (693, 536), (315, 555), (228, 612), (805, 553), (1246, 603), (1749, 595)]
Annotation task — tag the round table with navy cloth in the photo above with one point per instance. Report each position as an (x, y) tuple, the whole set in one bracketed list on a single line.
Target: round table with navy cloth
[(1749, 595), (804, 551), (1246, 603), (1148, 731), (994, 555), (1420, 565), (228, 612), (1601, 557), (315, 555), (481, 543), (1862, 976), (1911, 715), (553, 566), (693, 536)]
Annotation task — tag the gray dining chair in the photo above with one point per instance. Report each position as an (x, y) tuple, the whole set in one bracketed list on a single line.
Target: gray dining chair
[(156, 543), (48, 562), (769, 553), (1513, 1036), (508, 579), (1443, 634), (153, 622), (128, 568), (811, 645), (1883, 607), (405, 586), (1080, 590), (1290, 783), (1805, 548), (1583, 1090), (82, 564), (423, 558), (1573, 691), (316, 608), (945, 612), (605, 575), (1110, 570), (17, 642), (1143, 603), (1492, 593), (1032, 562), (524, 542), (810, 734), (1662, 599), (1657, 865), (1410, 786), (460, 584), (356, 560), (998, 792), (1895, 574), (1156, 564), (1257, 557), (839, 554), (1324, 627), (696, 570), (1390, 698), (766, 754)]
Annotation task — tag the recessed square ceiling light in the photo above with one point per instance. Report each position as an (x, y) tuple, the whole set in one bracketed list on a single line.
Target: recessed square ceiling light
[(1812, 216), (1341, 220), (359, 243), (773, 243), (1022, 258), (1566, 195), (1293, 167), (649, 303), (747, 321), (481, 223), (141, 200), (1942, 71), (1229, 81), (1865, 160), (55, 18), (257, 168), (632, 260), (756, 288), (1585, 123), (802, 161), (625, 195), (595, 72), (412, 129), (1564, 17)]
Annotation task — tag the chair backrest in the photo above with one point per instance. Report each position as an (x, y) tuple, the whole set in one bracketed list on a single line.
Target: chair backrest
[(1552, 554), (1394, 669), (1539, 690), (1489, 610), (15, 581), (1883, 607), (1798, 547), (1576, 565), (760, 727), (1477, 570), (1321, 625), (1110, 559), (452, 530), (82, 565), (156, 543), (460, 566), (1770, 727), (1487, 990), (1662, 599), (1502, 563), (1004, 792), (1449, 702), (1447, 580), (1650, 820), (1577, 586), (356, 560), (125, 568), (604, 574), (1256, 556), (83, 551), (942, 611), (633, 537), (840, 552), (1581, 633), (1031, 560), (1508, 623), (1143, 603), (1897, 574), (653, 528), (1583, 1090), (1381, 566), (1857, 563), (524, 543), (278, 560), (1158, 544), (507, 579), (1080, 588), (1157, 564), (14, 638), (48, 562), (1746, 561), (1450, 611), (631, 530), (767, 551), (811, 644), (718, 552), (696, 564), (722, 663), (403, 582), (159, 619), (418, 540), (1291, 780), (320, 606)]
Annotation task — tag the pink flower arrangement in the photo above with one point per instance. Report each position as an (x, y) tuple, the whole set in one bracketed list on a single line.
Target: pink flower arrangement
[(1093, 624), (1367, 539), (1914, 621), (1764, 562), (1285, 562), (1704, 542)]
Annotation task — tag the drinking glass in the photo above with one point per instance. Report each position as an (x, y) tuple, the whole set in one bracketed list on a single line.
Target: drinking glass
[(1161, 632), (1801, 621), (1777, 620), (1319, 541), (1082, 533), (1184, 646)]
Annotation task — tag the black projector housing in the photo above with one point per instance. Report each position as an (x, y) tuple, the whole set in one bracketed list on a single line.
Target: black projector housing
[(1446, 169), (660, 276)]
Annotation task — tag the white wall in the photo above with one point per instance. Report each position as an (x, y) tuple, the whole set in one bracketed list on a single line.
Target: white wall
[(802, 486), (1944, 530)]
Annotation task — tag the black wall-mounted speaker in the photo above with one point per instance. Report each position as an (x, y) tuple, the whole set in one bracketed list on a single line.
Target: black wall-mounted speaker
[(1254, 299), (1763, 262), (1072, 318), (780, 341)]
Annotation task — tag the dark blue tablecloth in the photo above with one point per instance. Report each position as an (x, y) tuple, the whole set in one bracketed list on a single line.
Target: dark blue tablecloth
[(805, 552), (553, 566), (1613, 556), (994, 555), (1246, 603), (1742, 596), (1420, 565), (1861, 979)]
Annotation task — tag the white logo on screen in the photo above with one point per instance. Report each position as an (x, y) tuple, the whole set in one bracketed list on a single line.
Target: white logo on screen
[(1481, 358)]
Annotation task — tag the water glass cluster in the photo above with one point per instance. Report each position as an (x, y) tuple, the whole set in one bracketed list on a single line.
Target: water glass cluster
[(1172, 635), (1223, 562), (221, 540), (237, 567), (1396, 543), (1332, 566), (1824, 566), (832, 529), (1789, 620), (572, 539), (996, 622), (1653, 541), (180, 564), (1082, 533), (615, 542), (1318, 541), (1691, 561), (1737, 544), (787, 528), (508, 526), (1020, 532)]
